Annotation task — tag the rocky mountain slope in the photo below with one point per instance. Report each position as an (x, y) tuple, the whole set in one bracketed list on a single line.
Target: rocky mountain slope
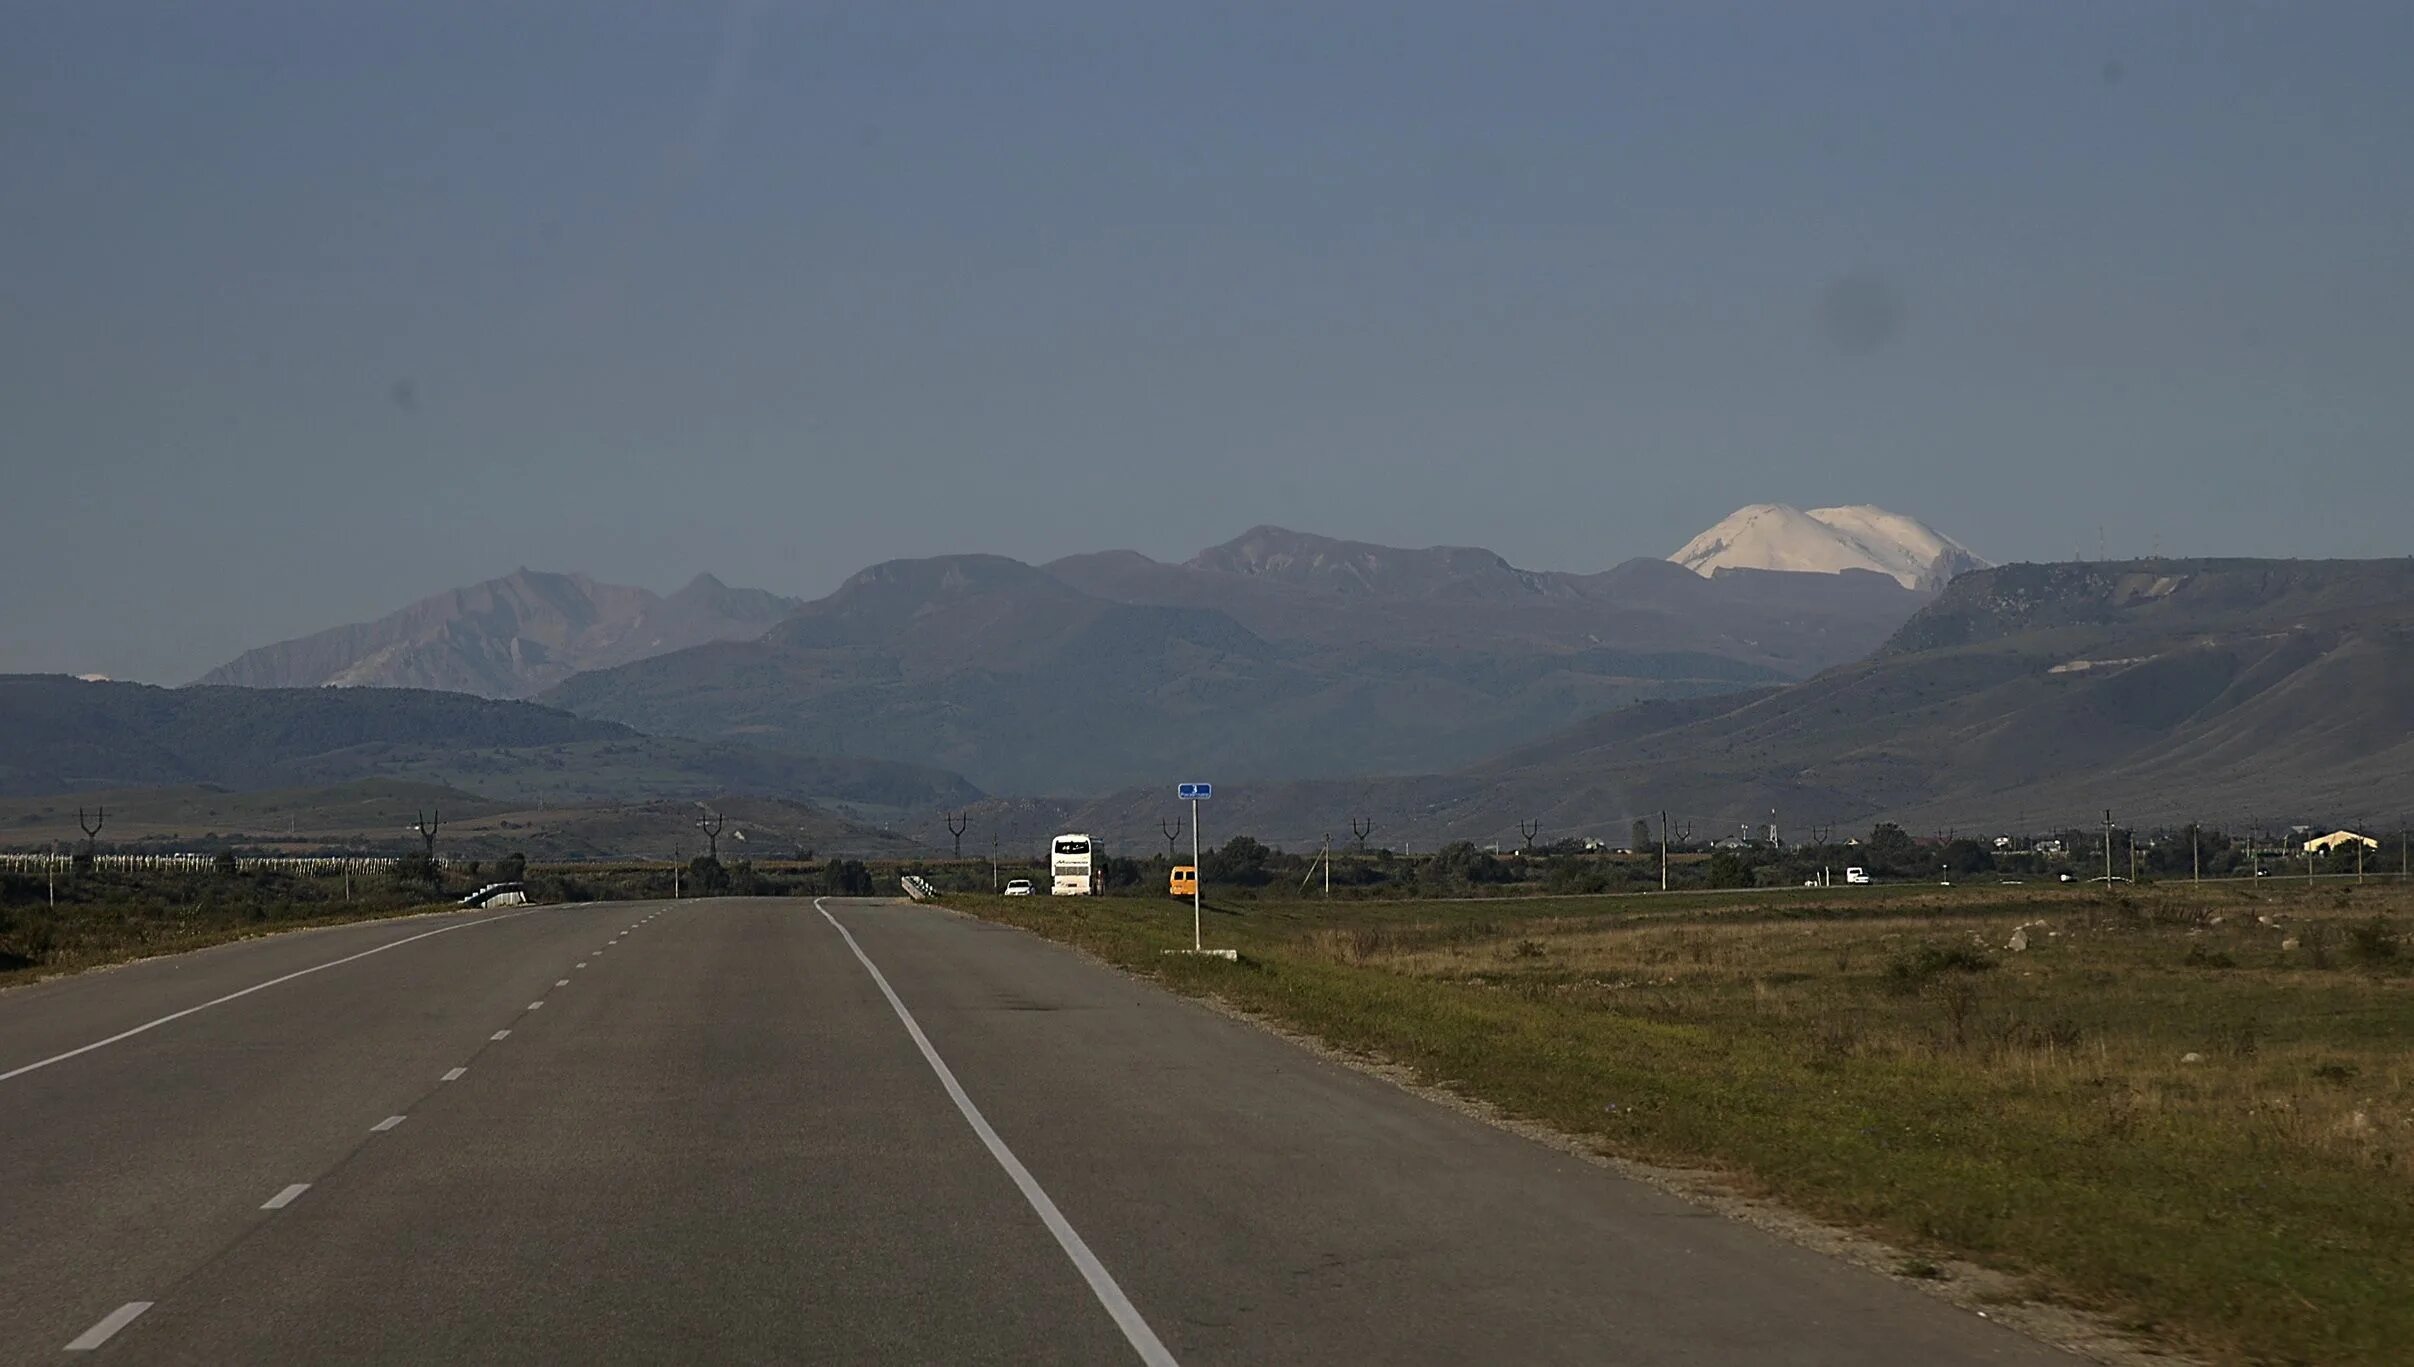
[(512, 637)]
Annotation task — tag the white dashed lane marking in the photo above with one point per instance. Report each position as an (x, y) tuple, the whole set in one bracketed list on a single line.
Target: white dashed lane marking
[(455, 1075), (285, 1198), (500, 1034), (536, 1005), (561, 982), (99, 1334), (386, 1124)]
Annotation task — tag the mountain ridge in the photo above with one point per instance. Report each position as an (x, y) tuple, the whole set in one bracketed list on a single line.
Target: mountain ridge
[(1277, 654)]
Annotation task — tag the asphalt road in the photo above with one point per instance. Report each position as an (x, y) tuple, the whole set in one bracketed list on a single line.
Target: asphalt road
[(749, 1131)]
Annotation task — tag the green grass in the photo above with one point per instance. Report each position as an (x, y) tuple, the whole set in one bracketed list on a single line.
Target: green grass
[(105, 918), (1886, 1062)]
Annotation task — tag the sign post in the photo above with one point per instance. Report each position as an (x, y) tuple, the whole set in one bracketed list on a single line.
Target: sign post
[(1195, 793)]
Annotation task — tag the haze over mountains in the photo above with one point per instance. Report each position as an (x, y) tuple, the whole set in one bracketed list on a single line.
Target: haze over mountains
[(2024, 697)]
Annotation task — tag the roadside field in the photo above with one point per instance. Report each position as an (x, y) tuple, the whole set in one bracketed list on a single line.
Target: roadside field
[(2191, 1109)]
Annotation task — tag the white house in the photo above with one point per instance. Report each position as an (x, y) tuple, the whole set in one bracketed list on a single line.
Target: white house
[(2336, 840)]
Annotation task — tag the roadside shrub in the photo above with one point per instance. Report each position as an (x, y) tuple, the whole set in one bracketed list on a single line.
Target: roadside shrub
[(707, 875), (2200, 957), (1907, 971), (2372, 942)]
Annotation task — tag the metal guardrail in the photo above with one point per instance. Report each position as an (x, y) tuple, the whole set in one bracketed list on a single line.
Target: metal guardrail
[(498, 895)]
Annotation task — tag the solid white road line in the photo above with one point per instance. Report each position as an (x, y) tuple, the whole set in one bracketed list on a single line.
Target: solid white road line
[(455, 1075), (99, 1334), (285, 1198), (386, 1124), (500, 1034), (1143, 1339), (255, 987)]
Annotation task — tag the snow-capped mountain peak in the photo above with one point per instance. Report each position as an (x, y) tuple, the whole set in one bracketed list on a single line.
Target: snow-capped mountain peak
[(1776, 536)]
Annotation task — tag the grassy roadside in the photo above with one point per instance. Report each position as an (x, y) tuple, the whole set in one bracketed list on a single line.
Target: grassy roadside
[(2190, 1109), (105, 920)]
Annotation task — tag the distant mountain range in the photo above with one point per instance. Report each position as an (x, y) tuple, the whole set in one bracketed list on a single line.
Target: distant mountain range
[(1278, 654), (512, 637), (1773, 536), (2025, 697)]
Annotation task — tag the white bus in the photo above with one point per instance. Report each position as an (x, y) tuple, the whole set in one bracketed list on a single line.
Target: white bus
[(1072, 867)]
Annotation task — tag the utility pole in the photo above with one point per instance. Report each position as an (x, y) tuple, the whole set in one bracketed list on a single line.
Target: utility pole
[(993, 861), (2107, 849), (92, 827), (2195, 856), (1530, 829), (1663, 849), (1173, 832), (711, 823), (956, 822), (1362, 829), (1324, 857)]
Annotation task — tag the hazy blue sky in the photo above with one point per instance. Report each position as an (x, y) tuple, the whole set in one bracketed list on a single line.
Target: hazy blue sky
[(308, 309)]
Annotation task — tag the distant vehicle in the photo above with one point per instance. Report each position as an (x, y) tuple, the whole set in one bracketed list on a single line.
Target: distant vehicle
[(1185, 880), (1856, 875), (2067, 878), (1020, 887), (1072, 866)]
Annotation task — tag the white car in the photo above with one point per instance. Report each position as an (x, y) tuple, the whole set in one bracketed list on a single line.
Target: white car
[(1020, 887), (1856, 876)]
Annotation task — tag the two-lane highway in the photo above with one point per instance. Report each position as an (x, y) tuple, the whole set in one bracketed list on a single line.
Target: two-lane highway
[(766, 1131)]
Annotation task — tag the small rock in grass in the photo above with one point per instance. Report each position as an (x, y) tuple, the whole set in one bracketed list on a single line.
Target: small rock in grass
[(2191, 1057)]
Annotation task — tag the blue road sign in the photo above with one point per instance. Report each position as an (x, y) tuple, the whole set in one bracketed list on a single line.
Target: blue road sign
[(1194, 792)]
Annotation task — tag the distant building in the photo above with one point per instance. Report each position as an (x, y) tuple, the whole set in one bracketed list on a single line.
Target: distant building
[(2324, 844)]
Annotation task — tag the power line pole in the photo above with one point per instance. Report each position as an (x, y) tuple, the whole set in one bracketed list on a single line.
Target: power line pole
[(956, 822), (1173, 832), (2195, 856), (1362, 829), (2107, 849), (1663, 849)]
